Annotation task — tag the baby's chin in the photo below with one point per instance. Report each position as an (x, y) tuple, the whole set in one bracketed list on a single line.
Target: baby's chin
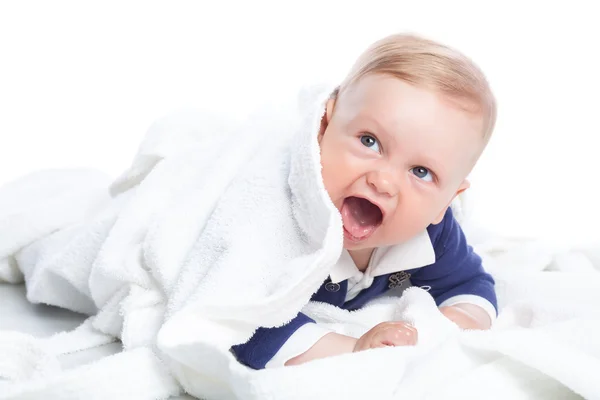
[(353, 245)]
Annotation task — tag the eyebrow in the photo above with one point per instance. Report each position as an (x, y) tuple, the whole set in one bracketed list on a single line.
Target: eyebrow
[(374, 121)]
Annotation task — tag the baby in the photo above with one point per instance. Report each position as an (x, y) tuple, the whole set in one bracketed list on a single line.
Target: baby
[(398, 139)]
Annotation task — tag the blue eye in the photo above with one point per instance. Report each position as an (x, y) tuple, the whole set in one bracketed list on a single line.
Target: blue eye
[(370, 142), (422, 173)]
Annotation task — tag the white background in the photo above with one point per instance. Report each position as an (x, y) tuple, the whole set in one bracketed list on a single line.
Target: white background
[(80, 82)]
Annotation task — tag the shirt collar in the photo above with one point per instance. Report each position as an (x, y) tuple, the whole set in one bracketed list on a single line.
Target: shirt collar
[(414, 253)]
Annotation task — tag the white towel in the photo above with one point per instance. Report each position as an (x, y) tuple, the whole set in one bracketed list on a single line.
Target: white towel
[(217, 229)]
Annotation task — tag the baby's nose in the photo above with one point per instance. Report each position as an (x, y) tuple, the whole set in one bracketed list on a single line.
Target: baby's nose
[(384, 182)]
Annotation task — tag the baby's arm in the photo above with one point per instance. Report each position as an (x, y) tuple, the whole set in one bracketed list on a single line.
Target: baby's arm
[(303, 340), (332, 344), (457, 281), (382, 335), (468, 316)]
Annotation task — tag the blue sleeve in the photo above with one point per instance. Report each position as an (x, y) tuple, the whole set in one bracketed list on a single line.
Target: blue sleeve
[(266, 342), (458, 270)]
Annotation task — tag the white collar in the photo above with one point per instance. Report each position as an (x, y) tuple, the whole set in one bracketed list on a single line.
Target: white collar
[(415, 253)]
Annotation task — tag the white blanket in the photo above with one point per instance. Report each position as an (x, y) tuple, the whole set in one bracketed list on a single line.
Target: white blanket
[(215, 230)]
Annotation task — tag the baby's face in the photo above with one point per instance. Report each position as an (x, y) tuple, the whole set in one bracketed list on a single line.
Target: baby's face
[(394, 156)]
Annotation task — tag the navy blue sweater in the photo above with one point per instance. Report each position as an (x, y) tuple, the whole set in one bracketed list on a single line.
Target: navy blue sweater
[(457, 271)]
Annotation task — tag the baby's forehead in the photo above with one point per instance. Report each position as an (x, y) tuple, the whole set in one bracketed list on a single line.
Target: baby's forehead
[(381, 98)]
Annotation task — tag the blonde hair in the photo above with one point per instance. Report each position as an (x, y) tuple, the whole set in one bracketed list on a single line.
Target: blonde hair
[(423, 62)]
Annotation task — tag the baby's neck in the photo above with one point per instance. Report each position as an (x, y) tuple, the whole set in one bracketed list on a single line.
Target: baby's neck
[(361, 258)]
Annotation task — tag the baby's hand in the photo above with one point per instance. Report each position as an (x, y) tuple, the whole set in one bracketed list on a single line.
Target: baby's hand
[(387, 334)]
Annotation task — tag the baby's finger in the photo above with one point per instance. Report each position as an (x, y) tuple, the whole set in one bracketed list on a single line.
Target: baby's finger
[(409, 334), (411, 331), (395, 336), (400, 325), (408, 330)]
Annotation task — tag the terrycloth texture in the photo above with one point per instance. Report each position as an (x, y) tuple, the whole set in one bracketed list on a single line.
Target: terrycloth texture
[(212, 232), (215, 230)]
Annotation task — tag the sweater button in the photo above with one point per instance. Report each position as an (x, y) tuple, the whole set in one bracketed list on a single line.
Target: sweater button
[(332, 287)]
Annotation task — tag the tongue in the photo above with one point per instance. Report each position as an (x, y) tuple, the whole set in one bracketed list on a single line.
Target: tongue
[(360, 217)]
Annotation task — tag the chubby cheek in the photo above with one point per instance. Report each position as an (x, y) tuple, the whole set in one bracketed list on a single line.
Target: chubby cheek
[(406, 223), (330, 172), (337, 171), (399, 232), (335, 182)]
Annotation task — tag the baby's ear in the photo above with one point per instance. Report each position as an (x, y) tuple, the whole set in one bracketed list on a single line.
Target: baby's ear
[(326, 117), (463, 186), (329, 108)]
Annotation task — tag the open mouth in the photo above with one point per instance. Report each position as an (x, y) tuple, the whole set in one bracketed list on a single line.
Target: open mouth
[(360, 217)]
